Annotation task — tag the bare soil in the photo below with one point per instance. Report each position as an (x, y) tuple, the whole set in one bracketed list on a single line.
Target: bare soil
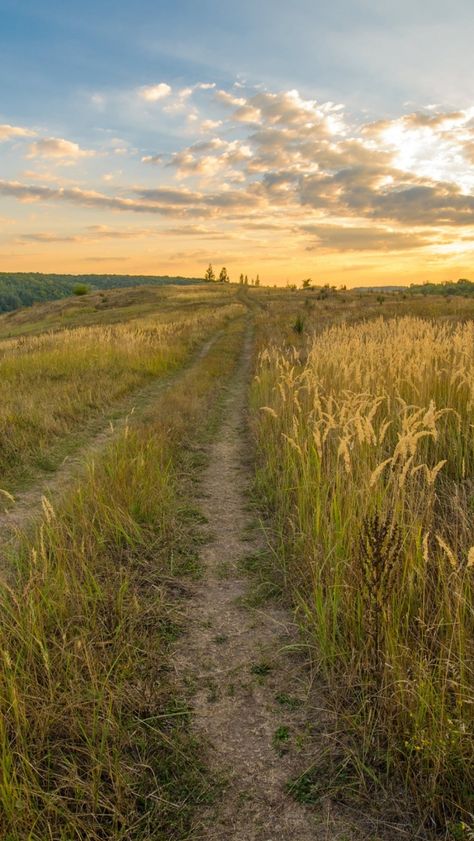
[(255, 706)]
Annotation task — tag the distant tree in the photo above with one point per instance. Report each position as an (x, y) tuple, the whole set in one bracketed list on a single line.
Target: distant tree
[(241, 279), (209, 276), (306, 284), (223, 276), (246, 281), (81, 289), (257, 280)]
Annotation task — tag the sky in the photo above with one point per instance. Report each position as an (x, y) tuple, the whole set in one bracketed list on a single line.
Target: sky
[(305, 139)]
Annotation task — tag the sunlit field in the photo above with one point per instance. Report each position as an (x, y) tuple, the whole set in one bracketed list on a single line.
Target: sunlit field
[(94, 735), (54, 382), (356, 422), (365, 459)]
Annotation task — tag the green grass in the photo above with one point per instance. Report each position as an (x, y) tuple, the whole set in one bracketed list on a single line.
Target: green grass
[(94, 734), (58, 386), (374, 548), (261, 669)]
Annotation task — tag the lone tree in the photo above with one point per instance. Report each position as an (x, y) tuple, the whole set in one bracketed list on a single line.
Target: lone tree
[(224, 277), (257, 280), (209, 273), (306, 284), (241, 279)]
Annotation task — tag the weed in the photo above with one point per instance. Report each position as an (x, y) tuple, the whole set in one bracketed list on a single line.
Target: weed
[(288, 701), (261, 669), (281, 738), (298, 325)]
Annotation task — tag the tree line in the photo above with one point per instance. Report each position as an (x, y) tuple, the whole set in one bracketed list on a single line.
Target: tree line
[(21, 289), (463, 287), (224, 277)]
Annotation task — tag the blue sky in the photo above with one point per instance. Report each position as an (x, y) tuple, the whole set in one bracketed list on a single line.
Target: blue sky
[(78, 73), (369, 53)]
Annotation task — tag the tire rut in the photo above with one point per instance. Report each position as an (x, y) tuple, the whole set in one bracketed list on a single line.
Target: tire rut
[(27, 504)]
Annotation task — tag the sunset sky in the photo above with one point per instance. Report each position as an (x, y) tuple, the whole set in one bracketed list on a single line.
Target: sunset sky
[(333, 140)]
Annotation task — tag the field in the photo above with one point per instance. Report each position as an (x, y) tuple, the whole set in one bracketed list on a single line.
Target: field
[(237, 549)]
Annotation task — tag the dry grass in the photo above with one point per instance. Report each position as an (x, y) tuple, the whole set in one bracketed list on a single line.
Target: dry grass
[(53, 383), (366, 459), (94, 743)]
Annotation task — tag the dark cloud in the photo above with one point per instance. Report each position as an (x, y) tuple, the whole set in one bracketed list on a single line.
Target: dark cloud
[(342, 238)]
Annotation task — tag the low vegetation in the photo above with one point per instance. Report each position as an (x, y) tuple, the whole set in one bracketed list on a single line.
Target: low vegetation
[(21, 289), (365, 459), (94, 737), (460, 288), (55, 382), (362, 413)]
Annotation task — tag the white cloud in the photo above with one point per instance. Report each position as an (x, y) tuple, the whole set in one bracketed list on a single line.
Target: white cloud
[(59, 149), (256, 155), (8, 132), (210, 125), (153, 93), (228, 99)]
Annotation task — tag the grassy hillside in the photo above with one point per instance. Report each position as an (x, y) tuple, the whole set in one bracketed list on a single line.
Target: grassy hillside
[(54, 383), (21, 289)]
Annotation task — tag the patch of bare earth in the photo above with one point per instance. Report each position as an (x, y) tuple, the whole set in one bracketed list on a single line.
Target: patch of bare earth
[(253, 704)]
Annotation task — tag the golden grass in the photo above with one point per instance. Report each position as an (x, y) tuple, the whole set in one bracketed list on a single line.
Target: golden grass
[(94, 741), (53, 383), (366, 458)]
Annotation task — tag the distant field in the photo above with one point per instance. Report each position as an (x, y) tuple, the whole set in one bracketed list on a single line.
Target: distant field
[(71, 360), (22, 289)]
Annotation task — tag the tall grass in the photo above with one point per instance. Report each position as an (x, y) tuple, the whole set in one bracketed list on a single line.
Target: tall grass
[(93, 734), (366, 459), (53, 383)]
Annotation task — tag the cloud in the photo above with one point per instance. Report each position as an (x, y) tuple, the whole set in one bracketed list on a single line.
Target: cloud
[(165, 201), (102, 259), (83, 198), (345, 238), (92, 233), (56, 148), (180, 101), (153, 93), (210, 125), (8, 132), (226, 98), (47, 237), (207, 157), (283, 172)]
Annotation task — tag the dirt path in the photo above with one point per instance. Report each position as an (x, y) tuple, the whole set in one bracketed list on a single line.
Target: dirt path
[(257, 709), (27, 505), (248, 679)]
